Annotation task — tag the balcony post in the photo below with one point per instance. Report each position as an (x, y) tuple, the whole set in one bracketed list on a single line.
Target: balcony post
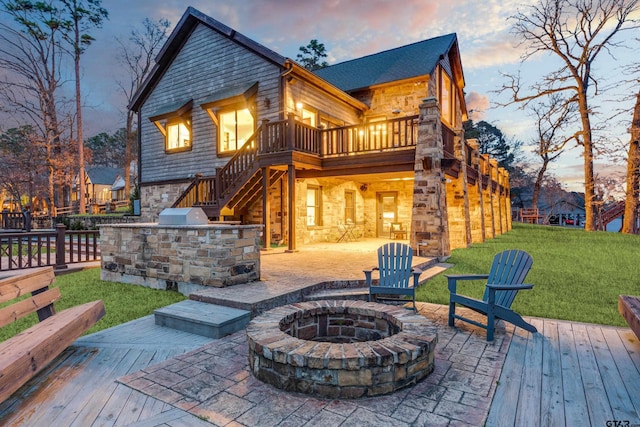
[(197, 184), (291, 132), (264, 143)]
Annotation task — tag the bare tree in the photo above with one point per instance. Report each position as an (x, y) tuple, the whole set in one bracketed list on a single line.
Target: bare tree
[(22, 152), (137, 56), (30, 57), (551, 119), (80, 16), (632, 201), (577, 32)]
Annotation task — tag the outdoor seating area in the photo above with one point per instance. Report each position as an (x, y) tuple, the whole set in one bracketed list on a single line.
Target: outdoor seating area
[(142, 373)]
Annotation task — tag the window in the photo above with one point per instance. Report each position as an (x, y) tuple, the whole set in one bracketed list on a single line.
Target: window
[(349, 206), (314, 212), (174, 122), (446, 98), (236, 127), (178, 136)]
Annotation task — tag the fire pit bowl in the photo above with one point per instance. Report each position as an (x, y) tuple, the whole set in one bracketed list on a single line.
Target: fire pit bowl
[(341, 349)]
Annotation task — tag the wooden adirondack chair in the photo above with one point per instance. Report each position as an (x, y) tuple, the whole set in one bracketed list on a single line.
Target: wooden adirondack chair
[(505, 279), (396, 274)]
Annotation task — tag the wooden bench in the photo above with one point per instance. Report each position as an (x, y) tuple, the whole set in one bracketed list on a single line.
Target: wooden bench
[(629, 307), (27, 353)]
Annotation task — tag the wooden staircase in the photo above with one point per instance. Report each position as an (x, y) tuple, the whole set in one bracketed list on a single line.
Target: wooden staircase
[(612, 212), (236, 185), (239, 183)]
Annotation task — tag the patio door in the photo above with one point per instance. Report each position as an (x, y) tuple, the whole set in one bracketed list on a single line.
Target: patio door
[(387, 212)]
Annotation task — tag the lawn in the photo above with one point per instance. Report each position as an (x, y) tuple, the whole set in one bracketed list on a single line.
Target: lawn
[(123, 302), (576, 275)]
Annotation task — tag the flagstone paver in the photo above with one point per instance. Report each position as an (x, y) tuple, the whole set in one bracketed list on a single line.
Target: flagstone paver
[(214, 383)]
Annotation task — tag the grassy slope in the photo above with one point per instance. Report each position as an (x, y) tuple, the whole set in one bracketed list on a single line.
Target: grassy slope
[(576, 275)]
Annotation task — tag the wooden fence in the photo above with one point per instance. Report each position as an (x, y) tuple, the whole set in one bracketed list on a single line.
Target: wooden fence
[(57, 248)]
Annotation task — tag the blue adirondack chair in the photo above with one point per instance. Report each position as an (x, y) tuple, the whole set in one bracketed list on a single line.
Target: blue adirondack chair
[(505, 279), (397, 277)]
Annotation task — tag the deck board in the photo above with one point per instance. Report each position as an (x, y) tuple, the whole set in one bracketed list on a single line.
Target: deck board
[(551, 406), (528, 413), (598, 407)]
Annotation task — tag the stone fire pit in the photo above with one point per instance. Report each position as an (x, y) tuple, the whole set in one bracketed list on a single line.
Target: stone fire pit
[(341, 349)]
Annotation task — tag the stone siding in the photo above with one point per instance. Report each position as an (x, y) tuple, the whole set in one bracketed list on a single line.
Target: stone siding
[(182, 258)]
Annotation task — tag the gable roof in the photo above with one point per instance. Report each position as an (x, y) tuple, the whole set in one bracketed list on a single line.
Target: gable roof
[(102, 175), (190, 19), (405, 62)]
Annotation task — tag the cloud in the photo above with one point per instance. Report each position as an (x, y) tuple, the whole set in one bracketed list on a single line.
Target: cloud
[(477, 104)]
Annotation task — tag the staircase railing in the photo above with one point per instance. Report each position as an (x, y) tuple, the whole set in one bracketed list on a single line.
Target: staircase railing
[(201, 191), (612, 212)]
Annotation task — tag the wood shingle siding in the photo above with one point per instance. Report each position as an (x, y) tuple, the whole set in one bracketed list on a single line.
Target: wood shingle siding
[(206, 63)]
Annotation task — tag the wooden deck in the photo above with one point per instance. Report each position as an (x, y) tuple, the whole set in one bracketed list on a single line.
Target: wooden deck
[(79, 388), (568, 374)]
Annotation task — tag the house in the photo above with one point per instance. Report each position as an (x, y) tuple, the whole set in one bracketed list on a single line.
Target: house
[(98, 183), (247, 134)]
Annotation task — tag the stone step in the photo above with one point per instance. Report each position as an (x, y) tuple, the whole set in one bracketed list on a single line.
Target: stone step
[(209, 320), (362, 293)]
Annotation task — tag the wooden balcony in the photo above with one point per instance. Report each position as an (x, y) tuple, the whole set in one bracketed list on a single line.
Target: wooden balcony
[(385, 146)]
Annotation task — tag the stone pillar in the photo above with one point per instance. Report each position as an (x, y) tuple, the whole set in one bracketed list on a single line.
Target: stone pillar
[(476, 208), (495, 197), (429, 222), (487, 197), (462, 155)]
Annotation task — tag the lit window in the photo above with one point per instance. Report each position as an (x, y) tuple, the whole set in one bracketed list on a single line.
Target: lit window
[(314, 214), (178, 136), (349, 206), (236, 127), (174, 122), (309, 117), (446, 98)]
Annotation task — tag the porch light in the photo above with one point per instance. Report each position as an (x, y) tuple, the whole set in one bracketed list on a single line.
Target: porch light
[(299, 106)]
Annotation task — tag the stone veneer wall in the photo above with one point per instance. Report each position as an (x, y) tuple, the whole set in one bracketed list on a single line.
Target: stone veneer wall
[(154, 198), (180, 257)]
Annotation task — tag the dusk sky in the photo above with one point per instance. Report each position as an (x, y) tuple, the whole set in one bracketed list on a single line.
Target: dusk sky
[(349, 29)]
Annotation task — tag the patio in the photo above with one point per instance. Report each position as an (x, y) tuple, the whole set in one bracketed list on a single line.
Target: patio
[(141, 374)]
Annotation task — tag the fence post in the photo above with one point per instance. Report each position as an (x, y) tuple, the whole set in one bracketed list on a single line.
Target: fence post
[(60, 248)]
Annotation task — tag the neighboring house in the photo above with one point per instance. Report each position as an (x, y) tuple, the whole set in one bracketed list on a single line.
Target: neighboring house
[(249, 135), (98, 183), (117, 189)]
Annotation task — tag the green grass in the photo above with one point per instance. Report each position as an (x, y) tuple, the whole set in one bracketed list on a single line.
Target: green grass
[(576, 275), (123, 302)]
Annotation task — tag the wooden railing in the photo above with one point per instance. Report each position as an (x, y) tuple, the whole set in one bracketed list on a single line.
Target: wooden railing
[(201, 191), (377, 136), (58, 248), (292, 135), (609, 214), (448, 141), (11, 220)]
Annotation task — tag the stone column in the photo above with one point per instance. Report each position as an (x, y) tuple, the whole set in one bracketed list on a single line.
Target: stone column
[(495, 197), (429, 221), (476, 208), (487, 197)]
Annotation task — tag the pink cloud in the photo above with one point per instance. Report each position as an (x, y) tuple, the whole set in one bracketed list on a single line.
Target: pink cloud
[(477, 104)]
